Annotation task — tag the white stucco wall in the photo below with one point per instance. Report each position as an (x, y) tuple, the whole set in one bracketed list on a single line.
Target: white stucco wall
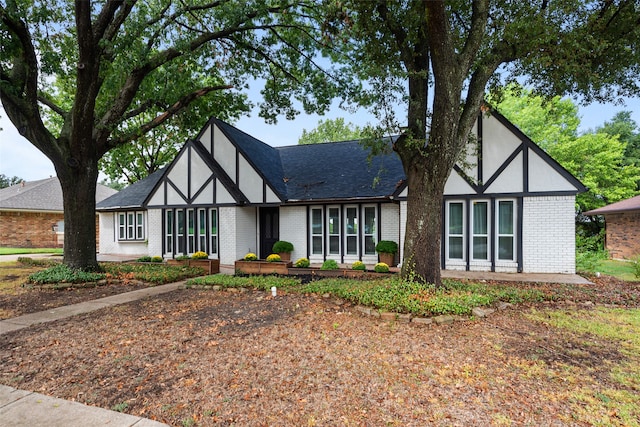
[(389, 227), (154, 232), (293, 228), (549, 234)]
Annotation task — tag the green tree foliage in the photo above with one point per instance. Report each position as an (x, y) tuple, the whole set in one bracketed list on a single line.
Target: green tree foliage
[(546, 121), (122, 69), (6, 181), (597, 158), (623, 126), (331, 130), (459, 48)]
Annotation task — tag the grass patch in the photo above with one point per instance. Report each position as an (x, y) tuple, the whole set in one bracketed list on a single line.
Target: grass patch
[(155, 274), (20, 251), (618, 402), (623, 270), (390, 294)]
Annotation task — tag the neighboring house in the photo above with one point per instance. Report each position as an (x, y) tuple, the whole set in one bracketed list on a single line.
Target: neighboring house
[(622, 221), (227, 193), (32, 216)]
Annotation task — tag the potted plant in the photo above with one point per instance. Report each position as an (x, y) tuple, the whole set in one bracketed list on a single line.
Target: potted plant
[(284, 249), (387, 250)]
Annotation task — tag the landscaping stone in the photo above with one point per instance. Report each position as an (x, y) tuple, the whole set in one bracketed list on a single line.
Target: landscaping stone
[(364, 310), (504, 305), (422, 320), (444, 319), (404, 318), (388, 316), (482, 312)]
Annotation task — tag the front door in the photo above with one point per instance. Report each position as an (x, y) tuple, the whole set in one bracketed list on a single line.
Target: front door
[(269, 230)]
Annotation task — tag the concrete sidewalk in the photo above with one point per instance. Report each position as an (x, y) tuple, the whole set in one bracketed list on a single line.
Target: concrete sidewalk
[(19, 408), (50, 315)]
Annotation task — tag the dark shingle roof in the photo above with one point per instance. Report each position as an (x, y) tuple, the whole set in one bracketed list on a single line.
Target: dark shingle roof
[(338, 170), (134, 195), (632, 204), (329, 171), (41, 195)]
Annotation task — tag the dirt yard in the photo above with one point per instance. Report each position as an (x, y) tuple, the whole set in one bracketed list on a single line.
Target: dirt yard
[(223, 358)]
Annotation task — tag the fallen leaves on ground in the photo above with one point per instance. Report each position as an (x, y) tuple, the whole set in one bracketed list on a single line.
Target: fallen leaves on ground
[(207, 358)]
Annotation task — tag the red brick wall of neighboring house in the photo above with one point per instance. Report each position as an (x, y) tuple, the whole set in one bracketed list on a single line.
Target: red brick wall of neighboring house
[(31, 230), (623, 234)]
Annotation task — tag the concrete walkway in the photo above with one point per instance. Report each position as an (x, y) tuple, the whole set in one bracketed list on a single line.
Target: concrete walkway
[(19, 408)]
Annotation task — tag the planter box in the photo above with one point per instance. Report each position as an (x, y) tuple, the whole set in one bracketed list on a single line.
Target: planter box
[(210, 266), (387, 258), (262, 267), (354, 274)]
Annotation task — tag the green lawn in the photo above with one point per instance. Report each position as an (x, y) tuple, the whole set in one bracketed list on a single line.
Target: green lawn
[(20, 251), (621, 269)]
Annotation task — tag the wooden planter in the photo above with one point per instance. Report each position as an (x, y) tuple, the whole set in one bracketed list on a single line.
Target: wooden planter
[(262, 267), (285, 256), (387, 258), (210, 266)]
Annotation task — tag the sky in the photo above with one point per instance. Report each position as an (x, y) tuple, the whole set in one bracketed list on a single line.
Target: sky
[(19, 158)]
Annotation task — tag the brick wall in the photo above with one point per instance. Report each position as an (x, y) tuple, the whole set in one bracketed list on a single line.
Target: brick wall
[(32, 230), (623, 234), (549, 234)]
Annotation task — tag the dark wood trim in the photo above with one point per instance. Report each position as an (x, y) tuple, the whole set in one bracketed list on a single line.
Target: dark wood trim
[(480, 150), (501, 169), (519, 233)]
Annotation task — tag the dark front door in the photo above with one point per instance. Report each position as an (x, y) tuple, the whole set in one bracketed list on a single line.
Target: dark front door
[(269, 230)]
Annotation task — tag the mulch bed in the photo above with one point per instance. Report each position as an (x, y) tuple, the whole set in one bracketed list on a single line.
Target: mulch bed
[(221, 358)]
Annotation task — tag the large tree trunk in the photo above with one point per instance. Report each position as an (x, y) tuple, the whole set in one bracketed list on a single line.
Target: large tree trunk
[(424, 226), (79, 197)]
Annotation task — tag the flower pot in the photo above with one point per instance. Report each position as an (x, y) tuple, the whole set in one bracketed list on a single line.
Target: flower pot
[(387, 258), (285, 256)]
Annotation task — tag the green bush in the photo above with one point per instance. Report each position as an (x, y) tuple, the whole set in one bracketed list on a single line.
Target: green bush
[(330, 264), (40, 262), (358, 265), (588, 262), (61, 273), (144, 259), (183, 257), (381, 267), (387, 247), (156, 259), (282, 246), (302, 263), (636, 266)]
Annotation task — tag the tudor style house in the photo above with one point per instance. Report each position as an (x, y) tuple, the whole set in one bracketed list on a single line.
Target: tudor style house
[(510, 208)]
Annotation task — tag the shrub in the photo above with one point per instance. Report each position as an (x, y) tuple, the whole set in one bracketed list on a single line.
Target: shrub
[(61, 273), (282, 246), (330, 264), (144, 259), (250, 257), (200, 255), (302, 263), (636, 266), (183, 257), (381, 267), (156, 259), (358, 265), (274, 258), (588, 262), (387, 247)]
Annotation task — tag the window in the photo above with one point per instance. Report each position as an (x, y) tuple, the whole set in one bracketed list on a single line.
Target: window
[(506, 226), (180, 231), (480, 230), (333, 225), (213, 232), (316, 231), (168, 234), (191, 232), (369, 232), (202, 230), (131, 226), (455, 230), (351, 230)]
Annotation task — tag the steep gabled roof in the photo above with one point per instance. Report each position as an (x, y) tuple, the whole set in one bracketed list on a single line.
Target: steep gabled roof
[(41, 195), (264, 158), (134, 196), (338, 170), (632, 204)]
